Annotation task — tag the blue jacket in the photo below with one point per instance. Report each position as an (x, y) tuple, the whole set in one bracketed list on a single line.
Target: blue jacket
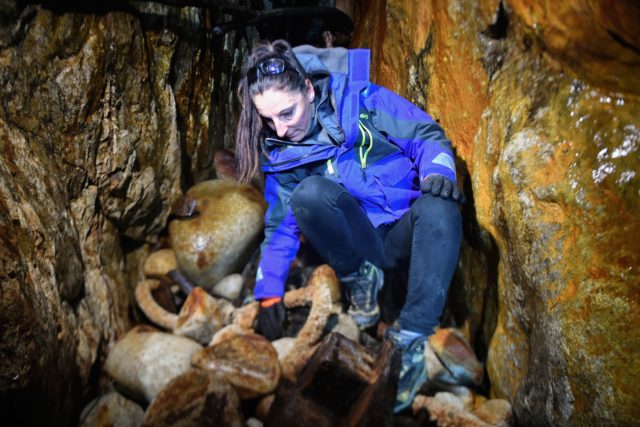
[(375, 143)]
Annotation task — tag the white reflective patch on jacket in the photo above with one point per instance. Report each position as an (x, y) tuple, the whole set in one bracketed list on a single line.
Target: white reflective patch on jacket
[(444, 160)]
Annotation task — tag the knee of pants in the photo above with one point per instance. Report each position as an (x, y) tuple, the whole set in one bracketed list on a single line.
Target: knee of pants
[(438, 212), (311, 194)]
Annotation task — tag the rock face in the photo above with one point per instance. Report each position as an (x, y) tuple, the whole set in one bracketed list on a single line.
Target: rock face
[(103, 116), (541, 103)]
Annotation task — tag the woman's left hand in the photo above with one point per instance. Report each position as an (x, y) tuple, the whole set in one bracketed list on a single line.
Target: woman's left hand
[(439, 186)]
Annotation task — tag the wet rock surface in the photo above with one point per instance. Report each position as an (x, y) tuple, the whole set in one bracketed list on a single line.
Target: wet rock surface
[(106, 117), (219, 239), (541, 103), (144, 361), (99, 113)]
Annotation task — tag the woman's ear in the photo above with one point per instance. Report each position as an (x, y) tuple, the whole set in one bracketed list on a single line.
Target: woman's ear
[(310, 92)]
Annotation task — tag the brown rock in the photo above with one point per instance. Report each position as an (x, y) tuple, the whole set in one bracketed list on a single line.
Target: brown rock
[(220, 238), (195, 398), (111, 410), (496, 412), (144, 361), (248, 362), (447, 410), (200, 317), (91, 104), (457, 356)]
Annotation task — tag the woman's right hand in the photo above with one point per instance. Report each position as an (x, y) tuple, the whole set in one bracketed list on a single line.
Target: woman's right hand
[(271, 318)]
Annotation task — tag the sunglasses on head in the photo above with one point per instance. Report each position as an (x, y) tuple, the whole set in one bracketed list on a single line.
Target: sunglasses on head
[(268, 67)]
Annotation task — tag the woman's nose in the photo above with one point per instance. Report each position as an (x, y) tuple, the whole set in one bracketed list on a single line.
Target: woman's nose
[(281, 129)]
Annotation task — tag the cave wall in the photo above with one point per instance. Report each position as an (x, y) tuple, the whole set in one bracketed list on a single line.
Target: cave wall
[(541, 100), (105, 117)]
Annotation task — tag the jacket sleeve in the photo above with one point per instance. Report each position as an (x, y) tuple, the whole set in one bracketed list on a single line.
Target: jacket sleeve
[(413, 130), (281, 238)]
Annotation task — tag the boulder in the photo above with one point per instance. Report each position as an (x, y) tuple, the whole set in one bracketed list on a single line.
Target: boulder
[(221, 236), (196, 398), (249, 362), (145, 360)]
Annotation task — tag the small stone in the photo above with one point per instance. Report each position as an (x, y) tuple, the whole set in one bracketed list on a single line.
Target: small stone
[(159, 264), (229, 287), (145, 360), (248, 362), (495, 411), (254, 422), (195, 398), (111, 410)]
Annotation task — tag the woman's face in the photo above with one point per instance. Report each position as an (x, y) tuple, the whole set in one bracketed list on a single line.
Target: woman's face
[(287, 113)]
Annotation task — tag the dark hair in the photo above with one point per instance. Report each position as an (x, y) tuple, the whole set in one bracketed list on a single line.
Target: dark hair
[(250, 132)]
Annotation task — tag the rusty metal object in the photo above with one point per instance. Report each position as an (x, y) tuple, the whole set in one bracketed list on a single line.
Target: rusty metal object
[(341, 385)]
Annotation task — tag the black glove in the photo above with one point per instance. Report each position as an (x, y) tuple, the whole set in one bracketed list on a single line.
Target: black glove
[(270, 319), (439, 186)]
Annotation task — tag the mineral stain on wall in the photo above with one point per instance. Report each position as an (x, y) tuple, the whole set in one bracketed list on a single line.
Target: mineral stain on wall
[(540, 100)]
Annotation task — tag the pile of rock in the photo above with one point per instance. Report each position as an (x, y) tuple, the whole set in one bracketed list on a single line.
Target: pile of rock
[(197, 365)]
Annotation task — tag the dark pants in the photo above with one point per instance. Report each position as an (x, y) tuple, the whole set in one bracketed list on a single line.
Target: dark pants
[(427, 236)]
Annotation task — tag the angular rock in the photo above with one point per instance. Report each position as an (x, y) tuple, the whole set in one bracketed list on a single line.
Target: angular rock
[(448, 410), (497, 412), (195, 398), (111, 410), (145, 360), (455, 355), (248, 362), (200, 317), (341, 385), (216, 242)]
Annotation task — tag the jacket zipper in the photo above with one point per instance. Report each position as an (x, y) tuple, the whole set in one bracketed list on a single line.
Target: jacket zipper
[(363, 156)]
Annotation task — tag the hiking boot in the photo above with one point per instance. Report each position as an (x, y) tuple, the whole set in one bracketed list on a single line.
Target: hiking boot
[(413, 373), (363, 287)]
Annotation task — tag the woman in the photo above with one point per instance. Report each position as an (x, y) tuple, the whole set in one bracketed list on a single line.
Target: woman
[(367, 177)]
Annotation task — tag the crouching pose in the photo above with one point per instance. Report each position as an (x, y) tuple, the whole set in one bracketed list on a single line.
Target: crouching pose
[(367, 177)]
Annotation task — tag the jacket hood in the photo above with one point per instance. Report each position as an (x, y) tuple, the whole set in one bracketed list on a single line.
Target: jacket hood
[(316, 60)]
